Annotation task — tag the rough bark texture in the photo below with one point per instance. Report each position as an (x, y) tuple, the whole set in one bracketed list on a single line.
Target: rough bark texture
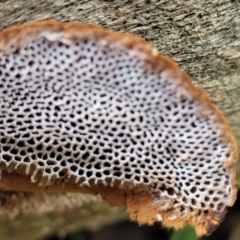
[(201, 36)]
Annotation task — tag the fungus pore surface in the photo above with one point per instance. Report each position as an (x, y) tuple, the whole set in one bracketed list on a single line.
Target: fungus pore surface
[(86, 109)]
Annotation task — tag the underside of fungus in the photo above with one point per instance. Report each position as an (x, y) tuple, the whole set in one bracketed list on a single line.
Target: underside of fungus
[(85, 109)]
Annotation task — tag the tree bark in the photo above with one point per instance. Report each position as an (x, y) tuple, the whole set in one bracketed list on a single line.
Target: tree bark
[(201, 36)]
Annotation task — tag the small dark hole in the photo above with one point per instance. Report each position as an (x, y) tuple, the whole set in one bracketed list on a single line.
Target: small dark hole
[(89, 174), (85, 156), (117, 174), (61, 174), (193, 190), (39, 147), (6, 157), (21, 144), (73, 168), (170, 191), (14, 151), (106, 172), (98, 174)]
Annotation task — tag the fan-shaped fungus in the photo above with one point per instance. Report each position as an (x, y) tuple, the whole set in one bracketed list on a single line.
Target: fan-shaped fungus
[(86, 109)]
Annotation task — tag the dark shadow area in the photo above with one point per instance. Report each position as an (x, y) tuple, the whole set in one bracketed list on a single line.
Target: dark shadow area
[(128, 230)]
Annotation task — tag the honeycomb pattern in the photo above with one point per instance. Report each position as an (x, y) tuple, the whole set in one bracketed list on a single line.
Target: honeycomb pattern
[(85, 112)]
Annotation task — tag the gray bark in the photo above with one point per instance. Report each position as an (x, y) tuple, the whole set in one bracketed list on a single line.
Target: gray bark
[(203, 37)]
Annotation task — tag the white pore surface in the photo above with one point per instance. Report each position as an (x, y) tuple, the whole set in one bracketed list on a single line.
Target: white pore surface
[(93, 112)]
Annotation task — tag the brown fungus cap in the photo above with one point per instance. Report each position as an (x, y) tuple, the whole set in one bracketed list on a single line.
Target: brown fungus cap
[(85, 109)]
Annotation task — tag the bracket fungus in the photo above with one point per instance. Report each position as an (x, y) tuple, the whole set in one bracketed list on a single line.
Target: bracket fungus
[(87, 110)]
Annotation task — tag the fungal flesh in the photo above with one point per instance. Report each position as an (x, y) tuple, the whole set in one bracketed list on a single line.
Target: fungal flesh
[(84, 109)]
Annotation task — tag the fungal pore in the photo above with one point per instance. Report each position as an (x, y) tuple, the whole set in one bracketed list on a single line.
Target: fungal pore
[(83, 109)]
